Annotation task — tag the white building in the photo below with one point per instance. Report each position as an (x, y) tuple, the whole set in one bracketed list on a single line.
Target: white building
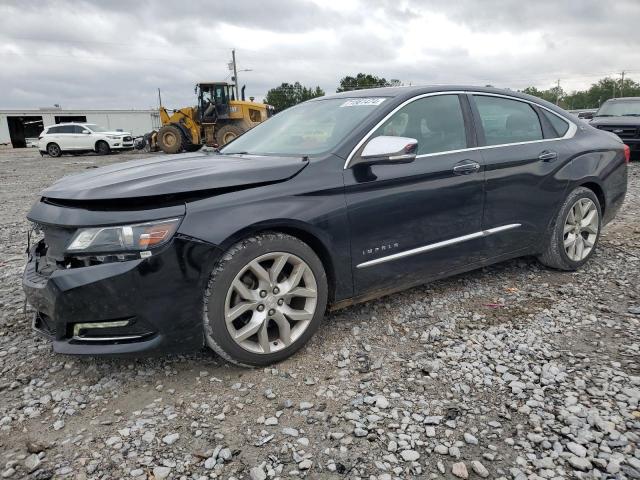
[(21, 127)]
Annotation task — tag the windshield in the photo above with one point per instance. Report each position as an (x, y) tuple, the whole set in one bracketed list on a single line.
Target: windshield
[(306, 129), (619, 109), (95, 128)]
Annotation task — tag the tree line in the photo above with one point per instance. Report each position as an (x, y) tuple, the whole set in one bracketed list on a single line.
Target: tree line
[(592, 97), (287, 95)]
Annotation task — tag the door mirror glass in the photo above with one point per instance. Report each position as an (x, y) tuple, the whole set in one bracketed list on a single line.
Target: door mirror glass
[(389, 150)]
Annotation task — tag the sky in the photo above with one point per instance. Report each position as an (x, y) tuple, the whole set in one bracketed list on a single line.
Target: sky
[(117, 53)]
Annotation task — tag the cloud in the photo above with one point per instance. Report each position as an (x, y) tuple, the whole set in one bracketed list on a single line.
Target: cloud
[(96, 54)]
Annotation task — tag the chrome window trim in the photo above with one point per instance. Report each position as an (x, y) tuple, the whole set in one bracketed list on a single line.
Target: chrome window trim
[(573, 128), (437, 245)]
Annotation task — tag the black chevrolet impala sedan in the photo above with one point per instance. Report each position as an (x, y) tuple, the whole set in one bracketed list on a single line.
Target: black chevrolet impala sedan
[(337, 200)]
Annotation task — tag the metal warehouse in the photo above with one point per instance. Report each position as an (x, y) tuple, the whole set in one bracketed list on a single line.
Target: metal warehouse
[(21, 128)]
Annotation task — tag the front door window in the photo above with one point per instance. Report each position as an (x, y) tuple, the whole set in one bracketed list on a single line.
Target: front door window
[(436, 122)]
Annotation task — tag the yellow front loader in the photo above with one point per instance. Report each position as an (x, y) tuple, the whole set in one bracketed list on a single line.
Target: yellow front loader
[(217, 120)]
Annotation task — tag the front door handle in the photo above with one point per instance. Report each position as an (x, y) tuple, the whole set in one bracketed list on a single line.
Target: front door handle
[(466, 167), (548, 156)]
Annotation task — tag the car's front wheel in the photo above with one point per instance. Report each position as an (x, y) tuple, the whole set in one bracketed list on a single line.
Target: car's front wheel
[(53, 149), (265, 299), (576, 231), (102, 148)]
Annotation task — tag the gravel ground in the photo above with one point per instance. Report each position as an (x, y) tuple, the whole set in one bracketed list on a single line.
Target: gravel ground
[(513, 371)]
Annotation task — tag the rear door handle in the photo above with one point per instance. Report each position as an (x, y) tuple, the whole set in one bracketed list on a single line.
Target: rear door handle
[(466, 167), (548, 156)]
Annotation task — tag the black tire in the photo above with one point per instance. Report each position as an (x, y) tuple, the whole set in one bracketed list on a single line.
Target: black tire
[(53, 150), (171, 139), (102, 148), (139, 143), (217, 335), (555, 255), (227, 133)]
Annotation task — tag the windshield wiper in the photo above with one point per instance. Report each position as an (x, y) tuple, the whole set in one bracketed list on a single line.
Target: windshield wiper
[(631, 115), (604, 115)]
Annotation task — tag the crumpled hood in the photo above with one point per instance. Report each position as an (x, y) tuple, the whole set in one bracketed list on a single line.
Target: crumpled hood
[(173, 174)]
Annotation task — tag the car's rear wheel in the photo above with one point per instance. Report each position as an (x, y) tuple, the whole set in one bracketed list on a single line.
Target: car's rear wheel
[(102, 148), (576, 231), (264, 300), (53, 149)]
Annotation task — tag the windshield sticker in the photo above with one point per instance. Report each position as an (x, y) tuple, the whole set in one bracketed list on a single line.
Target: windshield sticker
[(357, 102)]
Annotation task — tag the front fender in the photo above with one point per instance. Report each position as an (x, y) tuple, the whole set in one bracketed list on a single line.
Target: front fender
[(316, 215)]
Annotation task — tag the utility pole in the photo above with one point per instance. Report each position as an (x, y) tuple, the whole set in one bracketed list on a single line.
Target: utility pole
[(159, 99), (235, 71), (558, 92), (622, 84)]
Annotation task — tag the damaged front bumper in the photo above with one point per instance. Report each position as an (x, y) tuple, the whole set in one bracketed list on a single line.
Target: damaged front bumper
[(123, 307)]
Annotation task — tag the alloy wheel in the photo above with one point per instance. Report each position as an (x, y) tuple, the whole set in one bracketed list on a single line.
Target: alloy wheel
[(581, 229), (54, 150), (271, 302)]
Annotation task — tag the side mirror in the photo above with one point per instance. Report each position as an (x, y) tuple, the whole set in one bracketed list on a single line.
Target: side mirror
[(387, 150), (87, 132)]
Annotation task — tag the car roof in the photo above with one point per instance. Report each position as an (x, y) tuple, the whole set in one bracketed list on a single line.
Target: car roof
[(62, 124), (402, 93), (70, 123), (413, 90)]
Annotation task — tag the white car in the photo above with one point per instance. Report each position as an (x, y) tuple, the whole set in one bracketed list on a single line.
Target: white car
[(81, 137)]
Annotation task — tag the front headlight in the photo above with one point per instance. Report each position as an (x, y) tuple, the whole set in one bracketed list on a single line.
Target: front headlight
[(124, 238)]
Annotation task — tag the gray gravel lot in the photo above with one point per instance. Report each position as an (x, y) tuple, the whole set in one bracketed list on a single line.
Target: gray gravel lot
[(513, 371)]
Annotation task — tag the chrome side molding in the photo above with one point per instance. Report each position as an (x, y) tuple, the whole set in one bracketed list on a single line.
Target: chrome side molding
[(437, 245)]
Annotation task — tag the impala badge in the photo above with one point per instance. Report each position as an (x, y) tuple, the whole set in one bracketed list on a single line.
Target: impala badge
[(381, 248)]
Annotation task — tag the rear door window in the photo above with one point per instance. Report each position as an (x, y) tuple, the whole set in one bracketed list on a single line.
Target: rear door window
[(507, 121), (66, 129)]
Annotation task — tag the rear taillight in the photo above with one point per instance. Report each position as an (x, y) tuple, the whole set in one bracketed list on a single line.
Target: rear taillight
[(627, 154)]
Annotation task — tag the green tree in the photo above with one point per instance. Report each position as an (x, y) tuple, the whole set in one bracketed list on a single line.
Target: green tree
[(288, 95), (551, 95), (365, 80), (593, 97)]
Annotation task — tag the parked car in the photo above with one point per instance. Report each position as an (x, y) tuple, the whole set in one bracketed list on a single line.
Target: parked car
[(584, 114), (82, 137), (334, 201), (621, 116)]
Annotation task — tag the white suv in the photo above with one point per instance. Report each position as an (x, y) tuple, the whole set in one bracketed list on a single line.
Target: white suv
[(76, 137)]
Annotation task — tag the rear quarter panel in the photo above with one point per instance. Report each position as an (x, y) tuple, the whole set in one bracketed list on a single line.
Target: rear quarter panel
[(599, 161)]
